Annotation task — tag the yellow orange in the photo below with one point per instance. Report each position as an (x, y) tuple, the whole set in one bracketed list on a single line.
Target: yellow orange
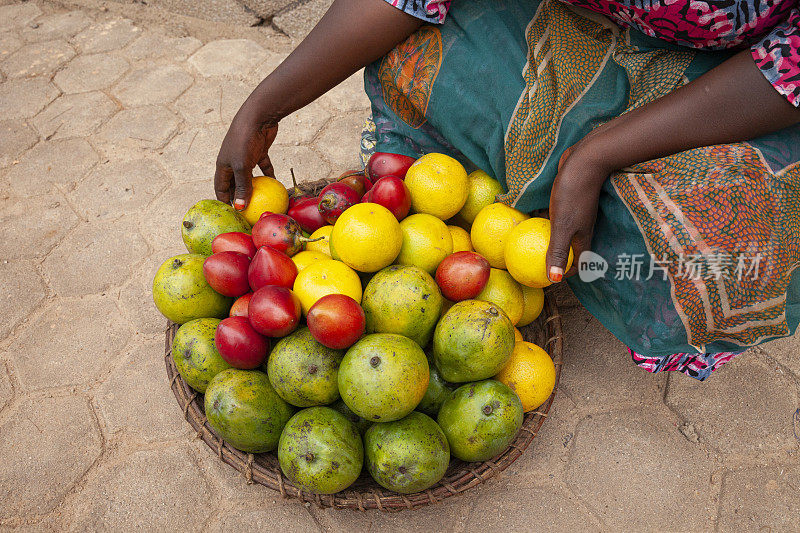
[(322, 245), (489, 231), (525, 252), (307, 257), (482, 191), (533, 302), (438, 185), (426, 242), (461, 242), (326, 277), (503, 291), (366, 237), (530, 373), (268, 195)]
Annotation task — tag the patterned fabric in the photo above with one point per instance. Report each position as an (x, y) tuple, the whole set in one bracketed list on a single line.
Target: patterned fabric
[(697, 365), (428, 10), (778, 57), (512, 63), (409, 72), (772, 27), (755, 211)]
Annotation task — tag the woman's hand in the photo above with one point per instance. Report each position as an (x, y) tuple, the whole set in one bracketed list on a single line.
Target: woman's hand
[(730, 103), (245, 145), (351, 35), (573, 208)]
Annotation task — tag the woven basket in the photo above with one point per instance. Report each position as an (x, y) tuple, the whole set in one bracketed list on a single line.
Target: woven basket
[(365, 493)]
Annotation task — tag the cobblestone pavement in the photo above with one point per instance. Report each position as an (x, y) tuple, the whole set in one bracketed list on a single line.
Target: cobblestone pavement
[(291, 17), (108, 133)]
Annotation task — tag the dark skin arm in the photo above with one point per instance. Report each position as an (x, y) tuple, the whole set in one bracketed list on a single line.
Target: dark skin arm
[(352, 34), (731, 103)]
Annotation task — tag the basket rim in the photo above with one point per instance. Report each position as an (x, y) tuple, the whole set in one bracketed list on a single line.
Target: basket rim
[(460, 475)]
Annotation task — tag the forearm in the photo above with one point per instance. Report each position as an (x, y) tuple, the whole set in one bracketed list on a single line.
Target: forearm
[(352, 34), (731, 103)]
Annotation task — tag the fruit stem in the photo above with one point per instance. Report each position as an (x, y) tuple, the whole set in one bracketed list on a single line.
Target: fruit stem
[(296, 192)]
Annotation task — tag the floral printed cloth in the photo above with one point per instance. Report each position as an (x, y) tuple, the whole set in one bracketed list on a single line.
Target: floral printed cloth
[(770, 27)]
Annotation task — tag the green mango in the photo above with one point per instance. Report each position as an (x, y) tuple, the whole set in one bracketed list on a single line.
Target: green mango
[(245, 410), (404, 300), (481, 419), (407, 455), (205, 220), (320, 451), (383, 377), (181, 293), (303, 371), (437, 392), (472, 341), (195, 354)]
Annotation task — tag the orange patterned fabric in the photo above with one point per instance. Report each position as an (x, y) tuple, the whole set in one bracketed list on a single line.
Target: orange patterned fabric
[(554, 81), (723, 202), (408, 72)]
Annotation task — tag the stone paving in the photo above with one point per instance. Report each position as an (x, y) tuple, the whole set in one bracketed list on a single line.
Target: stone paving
[(290, 17), (109, 127)]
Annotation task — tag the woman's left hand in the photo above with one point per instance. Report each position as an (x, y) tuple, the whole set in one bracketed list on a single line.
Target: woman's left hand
[(732, 102), (573, 208)]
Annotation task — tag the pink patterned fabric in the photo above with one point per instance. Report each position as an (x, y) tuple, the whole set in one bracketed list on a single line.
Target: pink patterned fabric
[(697, 365), (778, 57), (771, 28), (429, 10)]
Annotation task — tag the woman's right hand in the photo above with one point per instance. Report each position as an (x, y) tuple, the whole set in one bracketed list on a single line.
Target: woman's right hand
[(326, 57), (246, 145)]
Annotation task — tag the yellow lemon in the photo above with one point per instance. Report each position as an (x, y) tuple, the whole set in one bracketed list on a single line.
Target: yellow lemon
[(268, 195), (322, 245), (518, 335), (307, 257), (530, 373), (461, 242), (366, 237), (326, 277), (526, 252), (489, 231), (481, 192), (438, 185), (503, 291), (426, 241), (533, 302)]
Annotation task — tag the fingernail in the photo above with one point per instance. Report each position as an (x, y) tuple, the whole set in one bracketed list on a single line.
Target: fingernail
[(238, 204), (556, 274)]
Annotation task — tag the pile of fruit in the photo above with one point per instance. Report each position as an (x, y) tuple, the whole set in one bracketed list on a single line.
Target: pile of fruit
[(345, 333)]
